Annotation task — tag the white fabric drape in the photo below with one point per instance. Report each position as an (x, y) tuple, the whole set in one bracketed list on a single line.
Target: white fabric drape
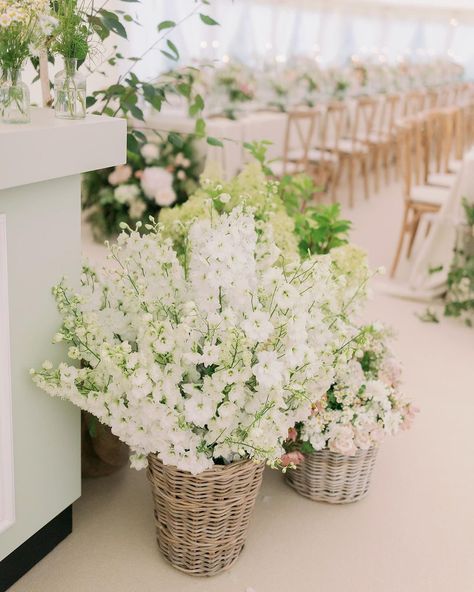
[(256, 31)]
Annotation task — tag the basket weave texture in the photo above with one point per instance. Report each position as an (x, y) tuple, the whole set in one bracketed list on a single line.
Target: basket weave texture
[(202, 520), (326, 476)]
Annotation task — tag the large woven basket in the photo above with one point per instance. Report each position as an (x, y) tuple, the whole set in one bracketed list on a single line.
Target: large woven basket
[(326, 476), (202, 520)]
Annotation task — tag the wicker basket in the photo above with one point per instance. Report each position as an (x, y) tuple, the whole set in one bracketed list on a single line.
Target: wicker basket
[(326, 476), (202, 520)]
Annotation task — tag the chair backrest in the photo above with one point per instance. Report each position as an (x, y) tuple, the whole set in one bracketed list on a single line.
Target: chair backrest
[(404, 134), (414, 103), (298, 137), (365, 115), (388, 113), (432, 142), (333, 125)]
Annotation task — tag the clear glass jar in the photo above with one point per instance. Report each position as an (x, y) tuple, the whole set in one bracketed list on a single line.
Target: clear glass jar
[(70, 92), (14, 98)]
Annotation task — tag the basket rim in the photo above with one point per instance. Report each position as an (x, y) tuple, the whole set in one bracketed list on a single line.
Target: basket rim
[(216, 469)]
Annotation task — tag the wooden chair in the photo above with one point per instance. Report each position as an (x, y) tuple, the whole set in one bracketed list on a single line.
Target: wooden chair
[(419, 199), (326, 140), (414, 103), (297, 144), (354, 148), (383, 138)]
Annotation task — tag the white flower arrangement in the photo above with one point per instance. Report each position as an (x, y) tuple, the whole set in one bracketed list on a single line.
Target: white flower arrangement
[(204, 358)]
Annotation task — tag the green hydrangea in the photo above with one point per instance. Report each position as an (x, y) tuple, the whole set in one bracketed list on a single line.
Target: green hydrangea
[(252, 188)]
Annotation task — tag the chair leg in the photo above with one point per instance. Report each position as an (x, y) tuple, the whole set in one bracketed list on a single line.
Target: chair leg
[(386, 154), (416, 223), (351, 181), (376, 162), (336, 179), (365, 173), (400, 242)]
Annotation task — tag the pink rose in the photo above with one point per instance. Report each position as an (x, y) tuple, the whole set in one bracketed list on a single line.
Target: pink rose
[(292, 458), (292, 434), (377, 435), (409, 416), (342, 441), (362, 439), (121, 174)]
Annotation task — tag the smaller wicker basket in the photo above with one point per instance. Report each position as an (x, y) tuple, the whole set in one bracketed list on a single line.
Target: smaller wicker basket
[(202, 520), (326, 476)]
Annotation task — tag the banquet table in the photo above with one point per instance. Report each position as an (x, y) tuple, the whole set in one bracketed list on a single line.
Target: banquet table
[(262, 125)]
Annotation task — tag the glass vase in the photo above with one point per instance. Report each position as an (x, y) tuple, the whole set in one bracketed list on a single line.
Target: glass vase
[(14, 98), (70, 92)]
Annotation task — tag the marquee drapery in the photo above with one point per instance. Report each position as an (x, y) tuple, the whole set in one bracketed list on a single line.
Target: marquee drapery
[(257, 30)]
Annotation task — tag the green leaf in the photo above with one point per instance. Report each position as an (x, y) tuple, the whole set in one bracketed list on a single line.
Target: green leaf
[(175, 139), (137, 113), (184, 89), (132, 143), (200, 127), (90, 101), (173, 48), (111, 21), (214, 142), (207, 20), (139, 135), (166, 25), (168, 55)]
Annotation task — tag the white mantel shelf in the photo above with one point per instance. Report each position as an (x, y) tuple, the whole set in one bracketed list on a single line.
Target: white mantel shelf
[(50, 148)]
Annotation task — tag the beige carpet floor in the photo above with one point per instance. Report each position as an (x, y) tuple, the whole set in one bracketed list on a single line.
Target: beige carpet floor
[(413, 533)]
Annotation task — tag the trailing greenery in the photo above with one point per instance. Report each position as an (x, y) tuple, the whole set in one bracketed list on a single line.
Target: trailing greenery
[(460, 295)]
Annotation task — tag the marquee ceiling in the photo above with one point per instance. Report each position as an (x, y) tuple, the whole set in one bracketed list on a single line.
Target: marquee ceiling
[(444, 10)]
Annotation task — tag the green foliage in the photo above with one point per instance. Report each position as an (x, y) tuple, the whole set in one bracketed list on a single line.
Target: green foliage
[(99, 198), (70, 38), (468, 211), (319, 228), (459, 300), (259, 151), (428, 316)]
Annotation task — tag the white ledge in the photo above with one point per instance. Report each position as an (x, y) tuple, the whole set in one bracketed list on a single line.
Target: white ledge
[(50, 148)]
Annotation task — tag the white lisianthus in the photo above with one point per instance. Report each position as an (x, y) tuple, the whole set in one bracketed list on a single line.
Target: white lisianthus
[(155, 179), (126, 193), (165, 197), (150, 152)]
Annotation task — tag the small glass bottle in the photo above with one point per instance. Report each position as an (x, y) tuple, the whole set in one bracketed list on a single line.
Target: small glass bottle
[(14, 98), (70, 92)]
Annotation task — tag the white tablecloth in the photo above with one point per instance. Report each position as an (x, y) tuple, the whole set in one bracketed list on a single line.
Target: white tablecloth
[(231, 158)]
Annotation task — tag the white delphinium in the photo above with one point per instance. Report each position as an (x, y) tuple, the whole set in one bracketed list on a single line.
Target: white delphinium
[(208, 358)]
